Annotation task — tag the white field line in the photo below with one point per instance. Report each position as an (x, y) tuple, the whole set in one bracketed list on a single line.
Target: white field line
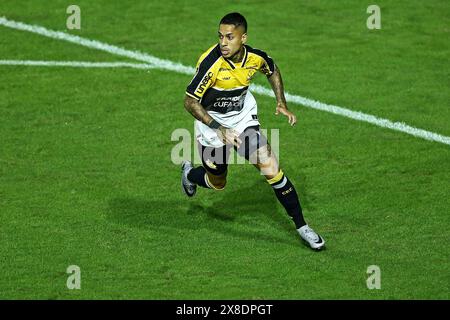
[(80, 64), (356, 115), (177, 67), (160, 63)]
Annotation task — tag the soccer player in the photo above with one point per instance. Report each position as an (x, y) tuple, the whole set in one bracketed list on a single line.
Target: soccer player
[(226, 117)]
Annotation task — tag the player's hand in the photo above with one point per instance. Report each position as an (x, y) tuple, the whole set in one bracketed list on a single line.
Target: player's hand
[(229, 136), (282, 108)]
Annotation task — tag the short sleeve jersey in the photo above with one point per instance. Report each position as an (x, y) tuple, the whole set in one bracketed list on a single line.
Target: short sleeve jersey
[(220, 85)]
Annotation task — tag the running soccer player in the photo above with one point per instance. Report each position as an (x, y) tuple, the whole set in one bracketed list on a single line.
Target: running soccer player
[(226, 117)]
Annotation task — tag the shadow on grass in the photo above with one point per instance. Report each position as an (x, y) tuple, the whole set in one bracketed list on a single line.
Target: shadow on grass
[(244, 214)]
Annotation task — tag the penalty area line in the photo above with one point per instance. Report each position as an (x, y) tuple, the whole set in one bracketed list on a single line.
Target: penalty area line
[(180, 68)]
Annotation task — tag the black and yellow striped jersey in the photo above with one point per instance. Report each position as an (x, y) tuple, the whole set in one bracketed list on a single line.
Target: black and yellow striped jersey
[(220, 85)]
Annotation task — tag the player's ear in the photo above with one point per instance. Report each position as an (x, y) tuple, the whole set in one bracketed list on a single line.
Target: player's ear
[(244, 38)]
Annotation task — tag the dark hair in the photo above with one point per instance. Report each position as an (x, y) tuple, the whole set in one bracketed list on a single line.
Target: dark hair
[(236, 19)]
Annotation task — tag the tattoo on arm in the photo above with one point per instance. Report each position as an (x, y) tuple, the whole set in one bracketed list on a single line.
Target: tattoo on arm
[(196, 109), (277, 85)]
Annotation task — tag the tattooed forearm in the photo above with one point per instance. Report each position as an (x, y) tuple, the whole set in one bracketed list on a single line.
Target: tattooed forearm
[(277, 85), (197, 110)]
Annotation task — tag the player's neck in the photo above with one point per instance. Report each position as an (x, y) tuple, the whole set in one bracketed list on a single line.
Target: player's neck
[(238, 56)]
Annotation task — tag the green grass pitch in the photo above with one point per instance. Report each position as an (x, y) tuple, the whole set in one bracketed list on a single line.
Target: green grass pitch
[(86, 177)]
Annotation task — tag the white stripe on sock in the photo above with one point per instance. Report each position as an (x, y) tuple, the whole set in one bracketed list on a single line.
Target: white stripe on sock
[(280, 185)]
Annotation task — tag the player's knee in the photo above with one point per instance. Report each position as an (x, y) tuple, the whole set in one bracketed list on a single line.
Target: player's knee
[(269, 169)]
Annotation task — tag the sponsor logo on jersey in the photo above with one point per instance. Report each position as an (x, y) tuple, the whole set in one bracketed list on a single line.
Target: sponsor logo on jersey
[(230, 102), (204, 82)]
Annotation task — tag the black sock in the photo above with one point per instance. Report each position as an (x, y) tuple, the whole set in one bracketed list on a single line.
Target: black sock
[(197, 176), (288, 197)]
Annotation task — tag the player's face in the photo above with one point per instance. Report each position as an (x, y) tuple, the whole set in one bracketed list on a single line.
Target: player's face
[(231, 39)]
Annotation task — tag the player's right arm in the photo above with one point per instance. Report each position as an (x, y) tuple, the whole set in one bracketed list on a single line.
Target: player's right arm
[(226, 135), (205, 76), (196, 109)]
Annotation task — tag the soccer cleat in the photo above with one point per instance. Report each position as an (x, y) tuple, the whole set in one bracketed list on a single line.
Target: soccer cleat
[(188, 187), (315, 241)]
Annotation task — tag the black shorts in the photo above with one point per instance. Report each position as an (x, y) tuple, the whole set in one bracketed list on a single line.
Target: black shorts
[(215, 160)]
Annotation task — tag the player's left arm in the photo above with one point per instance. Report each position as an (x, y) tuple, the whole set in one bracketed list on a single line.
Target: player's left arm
[(277, 86)]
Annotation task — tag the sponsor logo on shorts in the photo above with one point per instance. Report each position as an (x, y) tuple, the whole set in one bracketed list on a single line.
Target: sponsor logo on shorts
[(210, 164)]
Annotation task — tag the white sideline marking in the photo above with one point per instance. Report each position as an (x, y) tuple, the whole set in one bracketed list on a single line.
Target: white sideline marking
[(80, 64), (356, 115), (178, 67), (160, 63)]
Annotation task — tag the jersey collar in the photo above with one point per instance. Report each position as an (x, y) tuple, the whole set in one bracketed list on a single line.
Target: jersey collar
[(244, 59)]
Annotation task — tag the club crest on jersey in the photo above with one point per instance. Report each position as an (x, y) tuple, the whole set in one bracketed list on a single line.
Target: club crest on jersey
[(250, 75)]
